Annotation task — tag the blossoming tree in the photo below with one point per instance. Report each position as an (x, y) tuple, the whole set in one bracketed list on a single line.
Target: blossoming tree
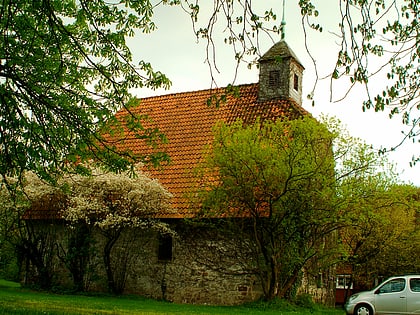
[(114, 203)]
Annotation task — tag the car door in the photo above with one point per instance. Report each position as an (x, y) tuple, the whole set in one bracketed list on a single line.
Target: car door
[(413, 296), (391, 297)]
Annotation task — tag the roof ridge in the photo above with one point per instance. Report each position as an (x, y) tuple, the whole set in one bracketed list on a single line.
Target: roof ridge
[(216, 90)]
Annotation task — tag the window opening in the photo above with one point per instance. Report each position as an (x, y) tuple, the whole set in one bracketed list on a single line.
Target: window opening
[(274, 78), (343, 282), (165, 247), (296, 82)]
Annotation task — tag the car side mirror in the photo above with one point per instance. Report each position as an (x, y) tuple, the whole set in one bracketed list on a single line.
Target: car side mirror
[(377, 291)]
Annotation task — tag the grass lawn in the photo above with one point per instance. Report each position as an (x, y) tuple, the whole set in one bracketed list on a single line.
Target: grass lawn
[(14, 300)]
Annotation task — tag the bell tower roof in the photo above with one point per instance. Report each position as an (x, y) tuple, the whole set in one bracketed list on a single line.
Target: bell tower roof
[(280, 50)]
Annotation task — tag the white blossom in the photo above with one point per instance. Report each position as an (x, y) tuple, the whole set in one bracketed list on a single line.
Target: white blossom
[(116, 200), (106, 200)]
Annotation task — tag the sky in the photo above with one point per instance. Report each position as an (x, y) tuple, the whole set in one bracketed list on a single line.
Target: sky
[(174, 50)]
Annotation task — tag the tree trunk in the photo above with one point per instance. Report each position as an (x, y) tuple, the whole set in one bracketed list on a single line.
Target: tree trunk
[(274, 279), (289, 283), (111, 238)]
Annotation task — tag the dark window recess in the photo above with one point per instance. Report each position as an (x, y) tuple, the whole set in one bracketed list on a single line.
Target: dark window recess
[(296, 82), (274, 78), (165, 248)]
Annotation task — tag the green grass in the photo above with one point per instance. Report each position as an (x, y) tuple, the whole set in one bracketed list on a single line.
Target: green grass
[(15, 300)]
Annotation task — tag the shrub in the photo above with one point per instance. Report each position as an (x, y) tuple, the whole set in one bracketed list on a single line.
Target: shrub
[(306, 301)]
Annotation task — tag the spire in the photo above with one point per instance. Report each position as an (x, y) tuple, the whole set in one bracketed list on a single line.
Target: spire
[(283, 23), (281, 71)]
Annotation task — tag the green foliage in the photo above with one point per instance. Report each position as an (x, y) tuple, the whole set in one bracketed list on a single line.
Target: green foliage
[(303, 303), (382, 237), (378, 233), (65, 70), (9, 269), (280, 176), (302, 184), (12, 205), (306, 301)]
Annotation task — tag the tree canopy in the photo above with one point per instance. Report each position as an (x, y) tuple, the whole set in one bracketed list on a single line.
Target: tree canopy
[(382, 234), (309, 193), (279, 176), (115, 203), (65, 69)]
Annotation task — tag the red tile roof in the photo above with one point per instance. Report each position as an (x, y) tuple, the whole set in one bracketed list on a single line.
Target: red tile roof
[(48, 207), (187, 122)]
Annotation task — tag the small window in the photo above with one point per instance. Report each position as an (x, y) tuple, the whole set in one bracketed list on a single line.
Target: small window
[(274, 78), (165, 248), (343, 282), (296, 82)]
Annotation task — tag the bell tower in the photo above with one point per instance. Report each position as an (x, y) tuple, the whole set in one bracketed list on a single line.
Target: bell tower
[(281, 72)]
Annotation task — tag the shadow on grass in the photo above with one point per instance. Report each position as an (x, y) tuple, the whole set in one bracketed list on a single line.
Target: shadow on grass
[(5, 284)]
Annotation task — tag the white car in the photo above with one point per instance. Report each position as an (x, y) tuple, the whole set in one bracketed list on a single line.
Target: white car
[(397, 295)]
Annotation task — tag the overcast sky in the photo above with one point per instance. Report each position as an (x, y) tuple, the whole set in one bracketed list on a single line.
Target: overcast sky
[(174, 50)]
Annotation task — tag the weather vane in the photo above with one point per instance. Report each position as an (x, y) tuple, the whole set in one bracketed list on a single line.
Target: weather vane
[(283, 23)]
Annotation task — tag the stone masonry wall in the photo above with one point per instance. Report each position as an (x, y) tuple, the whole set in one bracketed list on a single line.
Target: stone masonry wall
[(188, 278), (281, 87), (205, 267)]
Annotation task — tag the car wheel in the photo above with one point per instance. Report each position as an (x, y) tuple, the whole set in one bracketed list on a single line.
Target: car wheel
[(363, 310)]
